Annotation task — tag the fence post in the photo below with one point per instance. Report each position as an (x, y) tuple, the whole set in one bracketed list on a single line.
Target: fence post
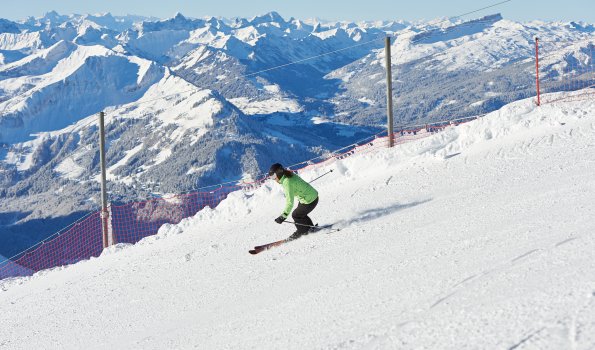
[(537, 71), (591, 58), (389, 93), (104, 211)]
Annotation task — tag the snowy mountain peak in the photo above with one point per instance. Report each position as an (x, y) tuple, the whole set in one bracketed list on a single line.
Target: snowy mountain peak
[(53, 15), (582, 27), (271, 17), (218, 24), (239, 23), (53, 18), (108, 21), (179, 17), (107, 16), (300, 25), (178, 22), (7, 26)]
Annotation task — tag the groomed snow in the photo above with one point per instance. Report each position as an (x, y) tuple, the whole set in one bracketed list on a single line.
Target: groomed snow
[(480, 237)]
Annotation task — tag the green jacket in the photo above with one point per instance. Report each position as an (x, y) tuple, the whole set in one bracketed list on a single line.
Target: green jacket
[(296, 187)]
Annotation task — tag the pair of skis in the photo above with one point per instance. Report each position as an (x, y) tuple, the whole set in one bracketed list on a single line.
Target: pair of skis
[(262, 248)]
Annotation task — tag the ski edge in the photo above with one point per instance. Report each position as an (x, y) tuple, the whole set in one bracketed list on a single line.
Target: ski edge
[(261, 248)]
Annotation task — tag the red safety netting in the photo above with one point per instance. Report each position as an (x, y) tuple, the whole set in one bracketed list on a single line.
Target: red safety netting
[(134, 221), (81, 240)]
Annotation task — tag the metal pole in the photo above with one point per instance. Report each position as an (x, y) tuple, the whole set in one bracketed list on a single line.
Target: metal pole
[(328, 172), (319, 227), (389, 93), (537, 71), (590, 82), (104, 211)]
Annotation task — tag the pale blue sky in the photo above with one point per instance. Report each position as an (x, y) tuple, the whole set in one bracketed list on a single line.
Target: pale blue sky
[(518, 10)]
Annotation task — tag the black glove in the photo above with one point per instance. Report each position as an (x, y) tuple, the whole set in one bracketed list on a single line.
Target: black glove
[(280, 219)]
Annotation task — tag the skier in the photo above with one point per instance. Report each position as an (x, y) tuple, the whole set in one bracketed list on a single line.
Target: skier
[(294, 186)]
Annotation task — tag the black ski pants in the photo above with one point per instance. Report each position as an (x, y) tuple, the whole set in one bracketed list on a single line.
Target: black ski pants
[(300, 216)]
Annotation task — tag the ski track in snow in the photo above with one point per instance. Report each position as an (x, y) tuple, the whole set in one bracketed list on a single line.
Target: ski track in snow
[(477, 237)]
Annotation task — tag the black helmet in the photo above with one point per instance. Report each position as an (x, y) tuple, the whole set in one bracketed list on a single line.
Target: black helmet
[(276, 169)]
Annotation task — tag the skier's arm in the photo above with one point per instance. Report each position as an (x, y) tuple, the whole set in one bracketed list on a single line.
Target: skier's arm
[(289, 194)]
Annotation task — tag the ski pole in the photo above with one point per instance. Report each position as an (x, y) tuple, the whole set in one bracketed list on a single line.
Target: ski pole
[(320, 227), (328, 172), (295, 223)]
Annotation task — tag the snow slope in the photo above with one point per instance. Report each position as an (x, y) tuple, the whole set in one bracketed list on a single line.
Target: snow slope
[(477, 237)]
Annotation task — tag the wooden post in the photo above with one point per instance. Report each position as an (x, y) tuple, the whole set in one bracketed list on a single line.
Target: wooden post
[(537, 71), (104, 211), (389, 93)]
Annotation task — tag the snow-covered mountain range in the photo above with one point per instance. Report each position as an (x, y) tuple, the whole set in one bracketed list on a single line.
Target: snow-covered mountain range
[(195, 102)]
